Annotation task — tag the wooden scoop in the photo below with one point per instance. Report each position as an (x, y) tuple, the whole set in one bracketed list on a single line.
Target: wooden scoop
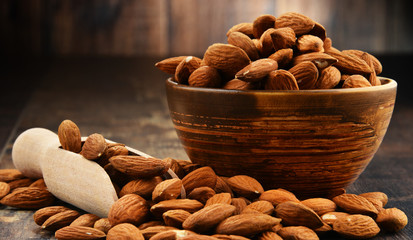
[(68, 176)]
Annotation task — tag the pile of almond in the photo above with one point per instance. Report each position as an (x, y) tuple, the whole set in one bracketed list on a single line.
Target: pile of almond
[(290, 52), (197, 204)]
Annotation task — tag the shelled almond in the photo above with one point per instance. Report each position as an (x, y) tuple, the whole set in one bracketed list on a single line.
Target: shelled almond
[(202, 205), (289, 39)]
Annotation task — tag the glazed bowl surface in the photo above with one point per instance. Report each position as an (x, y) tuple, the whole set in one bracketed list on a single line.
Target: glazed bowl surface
[(311, 142)]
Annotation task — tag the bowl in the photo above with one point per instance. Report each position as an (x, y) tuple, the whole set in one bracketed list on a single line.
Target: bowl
[(311, 142)]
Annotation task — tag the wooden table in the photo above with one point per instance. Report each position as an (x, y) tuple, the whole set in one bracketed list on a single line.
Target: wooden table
[(124, 99)]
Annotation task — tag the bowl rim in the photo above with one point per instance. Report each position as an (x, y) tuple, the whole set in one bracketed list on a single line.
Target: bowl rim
[(387, 83)]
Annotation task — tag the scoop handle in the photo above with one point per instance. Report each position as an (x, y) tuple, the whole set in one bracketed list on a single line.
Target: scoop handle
[(30, 147)]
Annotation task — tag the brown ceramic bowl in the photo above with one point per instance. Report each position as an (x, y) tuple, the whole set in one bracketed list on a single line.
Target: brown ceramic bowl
[(311, 142)]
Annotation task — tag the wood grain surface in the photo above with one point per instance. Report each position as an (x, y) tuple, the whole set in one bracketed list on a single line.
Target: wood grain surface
[(124, 99), (159, 27)]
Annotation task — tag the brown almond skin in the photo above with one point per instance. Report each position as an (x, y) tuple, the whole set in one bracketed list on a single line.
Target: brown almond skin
[(103, 225), (169, 65), (247, 224), (185, 68), (219, 198), (355, 204), (150, 232), (297, 233), (222, 186), (41, 215), (267, 46), (392, 219), (261, 24), (130, 208), (138, 166), (329, 78), (201, 177), (230, 237), (79, 233), (208, 217), (175, 218), (320, 205), (283, 38), (205, 76), (269, 235), (240, 204), (150, 224), (201, 194), (277, 196), (236, 84), (28, 198), (245, 28), (8, 175), (297, 214), (245, 43), (124, 231), (257, 70), (283, 57), (350, 64), (298, 22), (331, 217), (245, 186), (356, 81), (309, 43), (142, 187), (175, 167), (319, 31), (261, 206), (167, 189), (189, 205), (69, 136), (94, 146), (321, 60), (306, 75), (60, 220), (39, 183), (85, 220), (378, 68), (24, 182), (356, 227), (377, 195), (281, 80), (4, 189)]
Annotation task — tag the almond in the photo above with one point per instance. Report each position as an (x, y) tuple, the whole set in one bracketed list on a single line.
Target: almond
[(376, 63), (392, 219), (321, 60), (356, 226), (60, 220), (39, 183), (103, 225), (130, 208), (323, 229), (297, 214), (149, 232), (257, 70), (329, 78), (142, 187), (245, 43), (201, 177), (331, 217), (319, 31), (348, 63), (8, 175), (112, 150), (377, 195), (175, 167), (247, 224), (260, 206), (221, 186), (175, 218), (298, 22), (202, 194), (281, 80), (167, 189), (208, 217), (229, 237), (169, 65), (267, 46), (245, 186), (124, 231), (327, 44), (236, 84), (79, 232), (309, 43), (356, 81), (320, 205), (352, 203), (245, 28), (185, 68), (205, 76), (150, 224), (283, 57), (69, 136), (116, 176), (4, 189), (184, 204), (28, 198), (283, 38), (297, 233), (376, 203), (261, 24), (24, 182), (138, 166), (225, 57), (41, 215), (85, 220), (269, 235), (94, 146), (277, 196), (240, 204), (306, 74), (372, 77)]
